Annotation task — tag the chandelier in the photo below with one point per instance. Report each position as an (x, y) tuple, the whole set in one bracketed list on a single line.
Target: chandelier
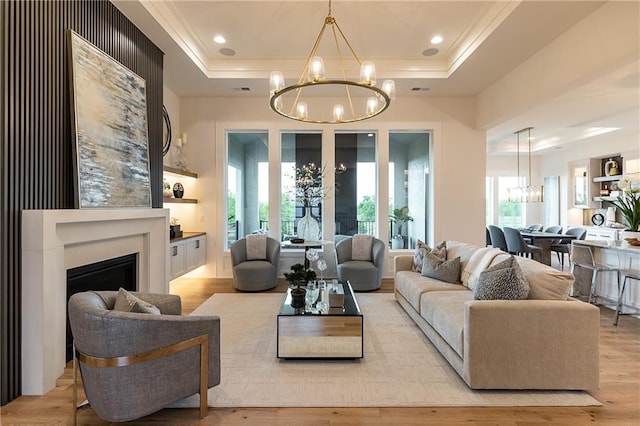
[(294, 101), (528, 193)]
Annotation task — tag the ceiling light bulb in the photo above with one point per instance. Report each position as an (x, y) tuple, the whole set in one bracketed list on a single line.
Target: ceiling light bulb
[(219, 39), (301, 108), (372, 105), (316, 69), (368, 73), (389, 87), (437, 39), (338, 112), (276, 81)]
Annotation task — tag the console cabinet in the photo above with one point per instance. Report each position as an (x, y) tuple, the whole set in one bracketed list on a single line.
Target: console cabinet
[(187, 253)]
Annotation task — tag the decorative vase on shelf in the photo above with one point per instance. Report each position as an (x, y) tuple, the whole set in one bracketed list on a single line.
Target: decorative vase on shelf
[(178, 190), (166, 189), (308, 227)]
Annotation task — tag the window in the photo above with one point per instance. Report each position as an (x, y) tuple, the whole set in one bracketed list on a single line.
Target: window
[(247, 184), (509, 214), (409, 182), (356, 194), (299, 150)]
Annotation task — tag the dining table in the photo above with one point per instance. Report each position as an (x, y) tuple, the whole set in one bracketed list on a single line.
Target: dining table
[(544, 240)]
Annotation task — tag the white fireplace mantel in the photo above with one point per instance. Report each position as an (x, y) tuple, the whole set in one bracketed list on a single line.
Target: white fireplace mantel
[(56, 240)]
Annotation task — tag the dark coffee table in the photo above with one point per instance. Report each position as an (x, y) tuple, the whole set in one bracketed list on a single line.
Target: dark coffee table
[(334, 334)]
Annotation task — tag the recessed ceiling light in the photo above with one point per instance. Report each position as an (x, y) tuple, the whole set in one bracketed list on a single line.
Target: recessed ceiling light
[(436, 39), (219, 39)]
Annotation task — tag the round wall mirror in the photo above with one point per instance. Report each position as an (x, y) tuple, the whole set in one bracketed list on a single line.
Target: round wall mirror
[(166, 131)]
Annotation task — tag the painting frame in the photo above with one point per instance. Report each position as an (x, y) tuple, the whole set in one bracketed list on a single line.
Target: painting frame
[(110, 130)]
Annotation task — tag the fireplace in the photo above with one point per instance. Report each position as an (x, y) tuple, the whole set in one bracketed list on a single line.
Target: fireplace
[(110, 274), (55, 241)]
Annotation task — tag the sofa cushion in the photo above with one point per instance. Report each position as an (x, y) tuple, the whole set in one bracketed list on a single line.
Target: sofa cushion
[(444, 311), (502, 281), (422, 249), (438, 268), (412, 285), (479, 261), (545, 282)]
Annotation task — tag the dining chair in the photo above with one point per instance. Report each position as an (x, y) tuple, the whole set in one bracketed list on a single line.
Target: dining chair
[(517, 245), (563, 246), (497, 237), (536, 227), (582, 256), (555, 229)]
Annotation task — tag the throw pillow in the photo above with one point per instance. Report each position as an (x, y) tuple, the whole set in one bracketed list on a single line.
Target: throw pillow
[(440, 269), (127, 302), (422, 249), (361, 247), (256, 246), (502, 281), (418, 257)]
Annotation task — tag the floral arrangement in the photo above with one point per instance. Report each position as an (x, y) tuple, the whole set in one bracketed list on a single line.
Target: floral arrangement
[(308, 187), (629, 202), (313, 256)]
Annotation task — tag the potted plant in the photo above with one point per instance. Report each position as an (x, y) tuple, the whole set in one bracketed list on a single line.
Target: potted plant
[(629, 202), (298, 277), (399, 216)]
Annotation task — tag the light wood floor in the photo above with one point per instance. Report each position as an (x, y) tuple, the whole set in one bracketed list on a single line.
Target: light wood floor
[(619, 391)]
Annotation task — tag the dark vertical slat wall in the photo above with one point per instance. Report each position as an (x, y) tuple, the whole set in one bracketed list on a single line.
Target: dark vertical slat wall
[(35, 133)]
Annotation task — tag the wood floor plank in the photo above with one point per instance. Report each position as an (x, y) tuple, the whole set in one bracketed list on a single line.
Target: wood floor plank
[(619, 390)]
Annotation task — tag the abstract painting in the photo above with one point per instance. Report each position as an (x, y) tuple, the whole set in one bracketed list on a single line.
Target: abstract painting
[(111, 150)]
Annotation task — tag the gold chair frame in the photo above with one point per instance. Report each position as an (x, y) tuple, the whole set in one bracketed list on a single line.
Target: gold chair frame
[(122, 361)]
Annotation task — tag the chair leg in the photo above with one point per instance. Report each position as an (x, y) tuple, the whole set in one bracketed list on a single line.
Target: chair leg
[(592, 291), (619, 305)]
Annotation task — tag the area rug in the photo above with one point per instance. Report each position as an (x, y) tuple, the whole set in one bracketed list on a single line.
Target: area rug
[(400, 368)]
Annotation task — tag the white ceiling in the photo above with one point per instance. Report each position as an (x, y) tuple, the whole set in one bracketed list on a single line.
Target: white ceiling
[(483, 41)]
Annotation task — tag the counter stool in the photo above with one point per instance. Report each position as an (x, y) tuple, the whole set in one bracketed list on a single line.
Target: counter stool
[(628, 273), (583, 256)]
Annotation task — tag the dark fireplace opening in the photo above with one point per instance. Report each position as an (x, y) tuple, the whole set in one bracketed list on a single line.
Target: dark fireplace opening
[(110, 274)]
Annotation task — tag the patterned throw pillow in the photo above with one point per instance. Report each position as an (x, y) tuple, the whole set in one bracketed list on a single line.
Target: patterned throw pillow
[(127, 302), (422, 249), (502, 281), (440, 269)]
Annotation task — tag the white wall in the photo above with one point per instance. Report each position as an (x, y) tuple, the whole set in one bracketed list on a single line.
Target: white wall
[(459, 169)]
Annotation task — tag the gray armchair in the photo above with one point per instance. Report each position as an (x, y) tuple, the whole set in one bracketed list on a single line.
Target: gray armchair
[(134, 364), (255, 275), (363, 275)]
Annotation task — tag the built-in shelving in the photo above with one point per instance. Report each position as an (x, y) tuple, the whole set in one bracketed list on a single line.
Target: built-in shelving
[(180, 172), (180, 200)]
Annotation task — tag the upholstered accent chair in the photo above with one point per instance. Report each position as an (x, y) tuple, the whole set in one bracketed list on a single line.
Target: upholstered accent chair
[(364, 275), (134, 364), (255, 274)]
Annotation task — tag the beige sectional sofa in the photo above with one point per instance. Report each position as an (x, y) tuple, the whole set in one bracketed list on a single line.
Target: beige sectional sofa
[(549, 341)]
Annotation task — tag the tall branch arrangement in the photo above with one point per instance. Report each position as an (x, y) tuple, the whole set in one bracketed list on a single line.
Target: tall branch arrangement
[(309, 189)]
